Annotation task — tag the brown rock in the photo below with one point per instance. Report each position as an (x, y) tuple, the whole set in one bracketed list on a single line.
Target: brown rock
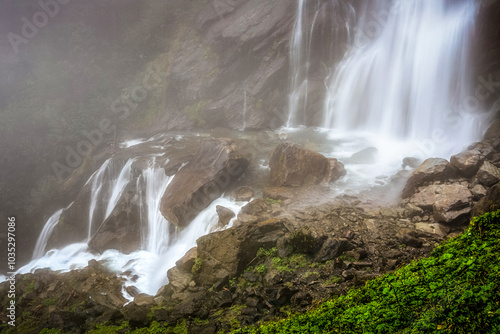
[(467, 162), (488, 174), (227, 253), (493, 131), (278, 193), (294, 166), (119, 231), (432, 169), (215, 166), (243, 194), (225, 215), (429, 195), (490, 202), (449, 203), (178, 280), (256, 207), (187, 261), (143, 299), (335, 170)]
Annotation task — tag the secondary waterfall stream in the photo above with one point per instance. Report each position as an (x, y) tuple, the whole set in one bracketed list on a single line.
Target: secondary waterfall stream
[(145, 268)]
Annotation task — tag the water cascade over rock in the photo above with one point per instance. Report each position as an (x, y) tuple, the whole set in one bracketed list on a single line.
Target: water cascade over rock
[(116, 216)]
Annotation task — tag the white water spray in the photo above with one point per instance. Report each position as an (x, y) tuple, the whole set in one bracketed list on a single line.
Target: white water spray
[(406, 71)]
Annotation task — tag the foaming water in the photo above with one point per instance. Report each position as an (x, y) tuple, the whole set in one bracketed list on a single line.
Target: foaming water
[(145, 269)]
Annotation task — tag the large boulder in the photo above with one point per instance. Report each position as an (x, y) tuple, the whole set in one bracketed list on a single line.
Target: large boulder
[(432, 169), (227, 253), (488, 174), (449, 203), (214, 167), (294, 166), (467, 162), (490, 202)]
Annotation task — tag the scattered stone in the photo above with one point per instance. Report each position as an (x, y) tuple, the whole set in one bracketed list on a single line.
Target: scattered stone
[(411, 241), (365, 156), (244, 219), (490, 202), (331, 249), (143, 299), (413, 211), (446, 201), (278, 193), (433, 169), (478, 192), (132, 291), (488, 174), (467, 162), (225, 215), (256, 207), (243, 194)]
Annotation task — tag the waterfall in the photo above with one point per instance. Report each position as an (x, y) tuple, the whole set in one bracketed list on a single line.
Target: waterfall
[(406, 72), (107, 187), (161, 243), (300, 50), (41, 243), (156, 237)]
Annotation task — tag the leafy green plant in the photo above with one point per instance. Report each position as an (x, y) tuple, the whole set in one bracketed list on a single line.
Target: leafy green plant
[(455, 290), (197, 266)]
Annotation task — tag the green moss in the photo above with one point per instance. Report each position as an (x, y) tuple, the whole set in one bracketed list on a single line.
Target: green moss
[(455, 290), (261, 269), (50, 331), (49, 302), (198, 262), (347, 258), (273, 201)]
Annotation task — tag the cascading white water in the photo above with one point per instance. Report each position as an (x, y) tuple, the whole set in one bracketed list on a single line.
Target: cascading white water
[(300, 51), (156, 237), (97, 182), (106, 188), (41, 243), (406, 71), (159, 249)]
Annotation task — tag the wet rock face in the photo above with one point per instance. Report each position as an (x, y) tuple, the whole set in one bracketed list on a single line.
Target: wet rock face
[(227, 253), (294, 166), (121, 230), (214, 167)]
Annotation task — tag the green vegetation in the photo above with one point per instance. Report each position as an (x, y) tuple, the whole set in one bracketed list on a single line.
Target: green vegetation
[(455, 290), (196, 266), (49, 302)]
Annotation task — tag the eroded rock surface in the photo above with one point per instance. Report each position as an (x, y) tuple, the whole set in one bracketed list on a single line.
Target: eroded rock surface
[(214, 167)]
